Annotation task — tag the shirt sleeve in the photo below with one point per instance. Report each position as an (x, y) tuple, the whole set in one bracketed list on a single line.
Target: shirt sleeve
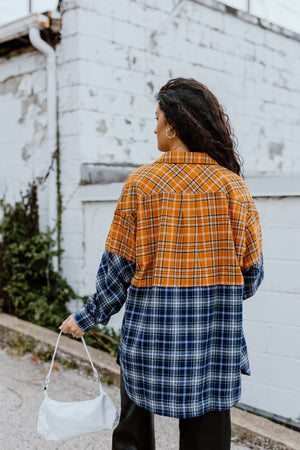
[(113, 279), (253, 263), (253, 239), (253, 278)]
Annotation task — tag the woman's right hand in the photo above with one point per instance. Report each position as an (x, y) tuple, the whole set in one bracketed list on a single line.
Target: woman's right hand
[(70, 326)]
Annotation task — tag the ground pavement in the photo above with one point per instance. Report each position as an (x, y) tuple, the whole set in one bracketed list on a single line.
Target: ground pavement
[(21, 393)]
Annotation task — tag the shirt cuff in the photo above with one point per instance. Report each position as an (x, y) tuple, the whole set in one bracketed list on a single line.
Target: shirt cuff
[(84, 319)]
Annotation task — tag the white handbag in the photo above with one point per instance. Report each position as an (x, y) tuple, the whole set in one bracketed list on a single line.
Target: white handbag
[(61, 420)]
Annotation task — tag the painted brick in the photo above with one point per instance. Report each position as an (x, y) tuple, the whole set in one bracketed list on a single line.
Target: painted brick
[(282, 276), (70, 147), (285, 244), (118, 78), (72, 272), (276, 371), (21, 64), (117, 8), (92, 149), (108, 101), (274, 212), (268, 307), (167, 5), (43, 199), (72, 219), (284, 402), (144, 153), (97, 218), (103, 51), (233, 26), (69, 49), (276, 43), (95, 25), (70, 171), (128, 34), (70, 22), (70, 196), (155, 19), (258, 336), (69, 244), (69, 123), (39, 81), (137, 13), (288, 346), (69, 99), (69, 4), (102, 149), (69, 73)]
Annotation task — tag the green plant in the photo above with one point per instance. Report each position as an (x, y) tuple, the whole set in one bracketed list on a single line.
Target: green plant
[(45, 355), (20, 343), (68, 364), (30, 288), (108, 380)]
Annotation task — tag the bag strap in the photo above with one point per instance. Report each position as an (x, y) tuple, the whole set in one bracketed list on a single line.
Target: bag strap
[(52, 362)]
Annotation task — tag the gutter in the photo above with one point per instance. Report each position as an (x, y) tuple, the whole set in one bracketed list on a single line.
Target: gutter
[(38, 43), (20, 27)]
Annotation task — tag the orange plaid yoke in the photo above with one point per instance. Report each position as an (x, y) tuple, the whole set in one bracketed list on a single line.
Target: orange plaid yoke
[(186, 221)]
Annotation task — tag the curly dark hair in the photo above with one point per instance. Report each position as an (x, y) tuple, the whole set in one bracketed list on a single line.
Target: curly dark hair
[(200, 121)]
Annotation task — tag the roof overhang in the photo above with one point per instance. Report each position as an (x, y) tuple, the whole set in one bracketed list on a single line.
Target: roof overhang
[(14, 36)]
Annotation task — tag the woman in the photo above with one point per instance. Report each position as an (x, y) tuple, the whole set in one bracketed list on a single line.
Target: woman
[(183, 251)]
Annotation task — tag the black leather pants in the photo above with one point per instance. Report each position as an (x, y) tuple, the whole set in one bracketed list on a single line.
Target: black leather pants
[(135, 431), (212, 431)]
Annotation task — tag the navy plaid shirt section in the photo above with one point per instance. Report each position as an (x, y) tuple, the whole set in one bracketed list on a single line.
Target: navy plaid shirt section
[(182, 349), (112, 281), (253, 278)]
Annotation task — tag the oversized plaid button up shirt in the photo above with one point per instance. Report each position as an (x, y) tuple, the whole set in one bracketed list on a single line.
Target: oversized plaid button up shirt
[(183, 252)]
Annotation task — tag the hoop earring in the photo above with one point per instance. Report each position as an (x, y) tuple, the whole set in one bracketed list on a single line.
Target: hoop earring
[(170, 137)]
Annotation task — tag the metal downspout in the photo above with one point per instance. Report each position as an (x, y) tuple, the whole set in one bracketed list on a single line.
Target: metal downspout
[(47, 50)]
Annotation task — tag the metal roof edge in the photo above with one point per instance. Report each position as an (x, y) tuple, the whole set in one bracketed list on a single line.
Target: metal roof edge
[(20, 27), (274, 185), (250, 18)]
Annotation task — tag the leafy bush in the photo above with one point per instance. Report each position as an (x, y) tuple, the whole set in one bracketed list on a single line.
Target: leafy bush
[(30, 288)]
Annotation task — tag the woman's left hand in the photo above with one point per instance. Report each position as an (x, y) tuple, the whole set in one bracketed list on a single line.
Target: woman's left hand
[(71, 327)]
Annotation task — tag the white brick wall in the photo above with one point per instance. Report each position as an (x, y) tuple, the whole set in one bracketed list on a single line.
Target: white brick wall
[(239, 61), (271, 324), (112, 58), (23, 106)]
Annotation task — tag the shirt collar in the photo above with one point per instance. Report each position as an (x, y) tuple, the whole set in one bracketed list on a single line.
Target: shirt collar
[(181, 157)]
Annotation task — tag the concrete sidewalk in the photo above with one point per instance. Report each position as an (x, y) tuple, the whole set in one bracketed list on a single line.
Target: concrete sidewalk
[(21, 391), (21, 385)]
